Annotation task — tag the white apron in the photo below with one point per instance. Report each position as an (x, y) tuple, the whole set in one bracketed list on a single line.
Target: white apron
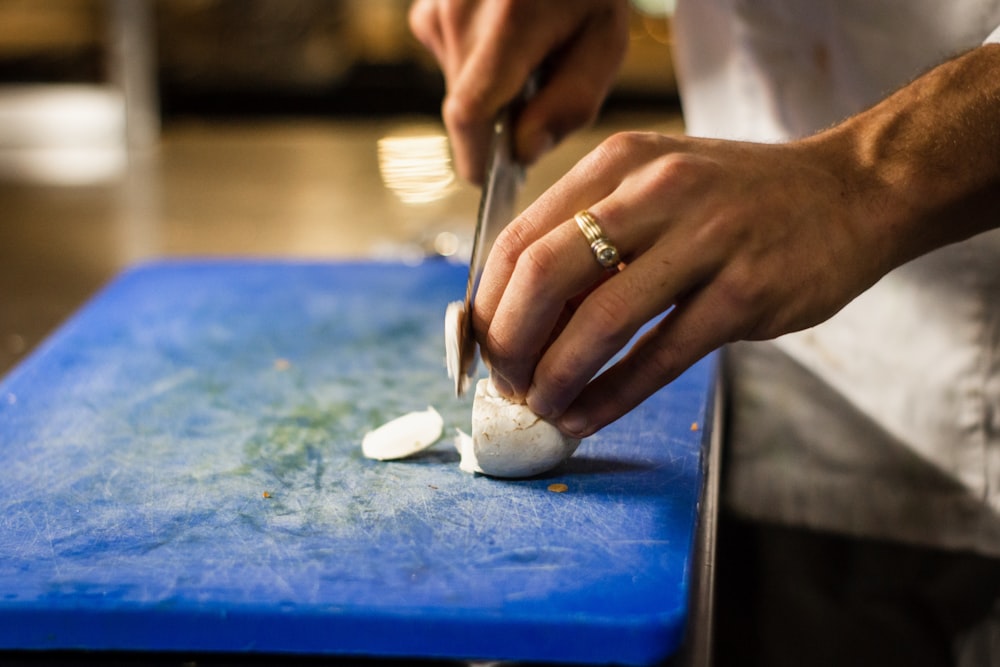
[(883, 421)]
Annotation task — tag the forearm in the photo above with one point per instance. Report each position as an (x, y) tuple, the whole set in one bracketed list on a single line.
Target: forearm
[(923, 166)]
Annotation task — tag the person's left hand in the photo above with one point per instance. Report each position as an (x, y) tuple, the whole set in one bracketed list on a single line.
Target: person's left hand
[(488, 50)]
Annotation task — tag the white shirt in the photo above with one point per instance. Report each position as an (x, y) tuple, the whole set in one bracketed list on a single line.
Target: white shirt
[(883, 421)]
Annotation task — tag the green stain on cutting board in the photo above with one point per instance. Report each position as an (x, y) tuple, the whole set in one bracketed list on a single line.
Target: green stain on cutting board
[(294, 448)]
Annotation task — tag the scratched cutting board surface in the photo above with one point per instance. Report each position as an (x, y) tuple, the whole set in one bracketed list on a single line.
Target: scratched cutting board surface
[(182, 471)]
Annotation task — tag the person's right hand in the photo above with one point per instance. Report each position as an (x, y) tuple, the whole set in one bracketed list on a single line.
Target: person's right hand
[(487, 50), (733, 240)]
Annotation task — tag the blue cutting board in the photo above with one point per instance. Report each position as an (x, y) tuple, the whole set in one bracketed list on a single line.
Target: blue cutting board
[(181, 470)]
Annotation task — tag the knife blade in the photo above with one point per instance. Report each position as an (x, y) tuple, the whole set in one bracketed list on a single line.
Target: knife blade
[(504, 176)]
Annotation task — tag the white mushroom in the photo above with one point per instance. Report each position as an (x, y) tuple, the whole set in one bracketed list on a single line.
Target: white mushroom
[(509, 440), (403, 436)]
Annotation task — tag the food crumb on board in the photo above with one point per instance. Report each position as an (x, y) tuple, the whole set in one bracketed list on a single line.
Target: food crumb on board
[(558, 488), (694, 426), (282, 364), (266, 494)]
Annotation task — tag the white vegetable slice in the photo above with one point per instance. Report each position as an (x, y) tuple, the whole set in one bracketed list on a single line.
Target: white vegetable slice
[(509, 440), (454, 322), (403, 436), (466, 449)]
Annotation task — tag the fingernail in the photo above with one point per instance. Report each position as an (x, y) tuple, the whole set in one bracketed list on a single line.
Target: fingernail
[(573, 423)]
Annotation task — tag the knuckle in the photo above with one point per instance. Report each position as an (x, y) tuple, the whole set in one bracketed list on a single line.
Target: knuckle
[(682, 170), (622, 150), (742, 293), (463, 111), (682, 174), (627, 143), (617, 146), (737, 288), (539, 261), (509, 244)]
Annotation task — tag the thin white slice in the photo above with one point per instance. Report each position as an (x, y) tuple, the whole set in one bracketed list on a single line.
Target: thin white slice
[(454, 322), (403, 436), (466, 449), (509, 440)]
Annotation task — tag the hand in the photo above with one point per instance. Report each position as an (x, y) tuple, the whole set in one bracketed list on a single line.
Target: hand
[(487, 50), (731, 240), (742, 241)]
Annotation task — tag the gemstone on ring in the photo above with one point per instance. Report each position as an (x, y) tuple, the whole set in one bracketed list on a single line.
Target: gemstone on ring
[(605, 253)]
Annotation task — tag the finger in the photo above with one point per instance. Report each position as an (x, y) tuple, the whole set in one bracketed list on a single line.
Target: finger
[(561, 322), (609, 318), (692, 330), (536, 275), (491, 73), (590, 181), (425, 25), (548, 274), (576, 84), (585, 51), (452, 31), (535, 222)]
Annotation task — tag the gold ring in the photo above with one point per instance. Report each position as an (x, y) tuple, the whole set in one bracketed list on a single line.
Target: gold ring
[(605, 253)]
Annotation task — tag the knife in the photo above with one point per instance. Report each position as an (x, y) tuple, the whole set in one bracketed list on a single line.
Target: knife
[(504, 176)]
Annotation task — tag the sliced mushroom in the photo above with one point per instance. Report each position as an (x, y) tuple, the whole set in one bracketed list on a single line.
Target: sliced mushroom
[(403, 436), (466, 449), (454, 323)]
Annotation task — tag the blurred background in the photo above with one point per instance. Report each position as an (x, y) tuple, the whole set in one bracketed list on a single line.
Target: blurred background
[(134, 130)]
